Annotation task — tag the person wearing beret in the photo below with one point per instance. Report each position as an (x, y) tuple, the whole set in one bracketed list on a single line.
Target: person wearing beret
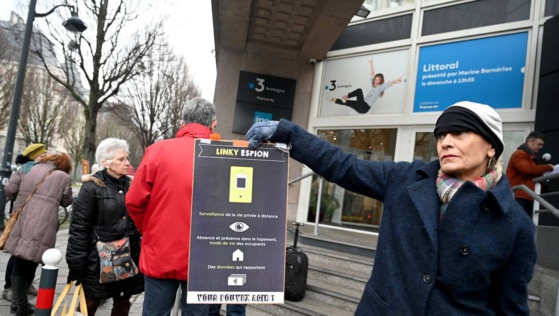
[(452, 240), (34, 151), (31, 154)]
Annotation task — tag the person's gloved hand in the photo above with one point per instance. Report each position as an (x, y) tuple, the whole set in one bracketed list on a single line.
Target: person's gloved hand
[(75, 275), (260, 132)]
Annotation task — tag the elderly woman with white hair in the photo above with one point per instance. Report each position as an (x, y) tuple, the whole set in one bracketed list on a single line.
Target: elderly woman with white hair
[(100, 214), (452, 239)]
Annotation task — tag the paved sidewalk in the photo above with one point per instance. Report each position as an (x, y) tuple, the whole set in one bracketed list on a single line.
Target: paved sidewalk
[(61, 241)]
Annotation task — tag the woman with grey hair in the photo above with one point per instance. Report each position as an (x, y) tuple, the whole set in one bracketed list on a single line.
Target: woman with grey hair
[(99, 214)]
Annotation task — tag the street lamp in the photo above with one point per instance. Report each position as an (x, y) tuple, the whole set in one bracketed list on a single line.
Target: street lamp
[(73, 24)]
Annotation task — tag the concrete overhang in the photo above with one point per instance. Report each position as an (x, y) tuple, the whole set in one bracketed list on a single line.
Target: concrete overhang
[(302, 29)]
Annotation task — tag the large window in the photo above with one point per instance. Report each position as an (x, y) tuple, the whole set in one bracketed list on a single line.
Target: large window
[(339, 206), (425, 147), (375, 32), (474, 14), (551, 7)]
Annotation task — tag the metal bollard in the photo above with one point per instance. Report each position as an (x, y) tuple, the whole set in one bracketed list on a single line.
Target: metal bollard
[(47, 284)]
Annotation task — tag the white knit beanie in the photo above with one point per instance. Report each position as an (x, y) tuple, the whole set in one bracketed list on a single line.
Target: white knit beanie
[(476, 117)]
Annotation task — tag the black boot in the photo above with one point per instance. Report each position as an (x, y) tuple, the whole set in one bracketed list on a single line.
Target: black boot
[(19, 292), (13, 307)]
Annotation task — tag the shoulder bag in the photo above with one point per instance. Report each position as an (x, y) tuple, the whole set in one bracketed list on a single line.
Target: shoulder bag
[(115, 259)]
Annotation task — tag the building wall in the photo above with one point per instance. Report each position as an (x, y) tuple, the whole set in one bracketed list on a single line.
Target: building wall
[(449, 22), (229, 65)]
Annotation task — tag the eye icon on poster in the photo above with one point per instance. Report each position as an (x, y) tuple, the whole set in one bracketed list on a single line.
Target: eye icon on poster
[(240, 187), (239, 227), (236, 279)]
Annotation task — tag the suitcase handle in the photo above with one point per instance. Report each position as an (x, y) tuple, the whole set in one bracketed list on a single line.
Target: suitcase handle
[(297, 224)]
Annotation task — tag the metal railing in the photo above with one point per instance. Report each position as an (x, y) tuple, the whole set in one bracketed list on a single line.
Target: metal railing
[(547, 208), (317, 211)]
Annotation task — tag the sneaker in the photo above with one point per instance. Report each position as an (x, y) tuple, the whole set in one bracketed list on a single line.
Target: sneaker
[(32, 290), (7, 294)]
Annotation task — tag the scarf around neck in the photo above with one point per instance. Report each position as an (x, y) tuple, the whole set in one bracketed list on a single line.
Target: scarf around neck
[(526, 149), (448, 185)]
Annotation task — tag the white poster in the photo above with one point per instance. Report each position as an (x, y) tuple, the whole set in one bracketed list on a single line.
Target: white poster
[(365, 85)]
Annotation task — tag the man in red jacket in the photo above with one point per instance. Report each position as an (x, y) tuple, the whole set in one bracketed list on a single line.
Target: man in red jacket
[(523, 168), (159, 204)]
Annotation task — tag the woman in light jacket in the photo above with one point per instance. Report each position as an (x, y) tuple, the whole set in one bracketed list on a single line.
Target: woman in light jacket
[(99, 213), (35, 230), (452, 240)]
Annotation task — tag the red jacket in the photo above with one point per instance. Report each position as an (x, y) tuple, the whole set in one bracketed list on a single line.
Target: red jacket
[(159, 203), (522, 169)]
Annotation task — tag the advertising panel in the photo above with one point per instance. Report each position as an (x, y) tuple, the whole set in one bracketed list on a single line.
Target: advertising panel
[(487, 70), (238, 224), (367, 84)]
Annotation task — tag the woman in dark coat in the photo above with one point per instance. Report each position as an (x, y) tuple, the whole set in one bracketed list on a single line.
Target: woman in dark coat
[(452, 239), (99, 213)]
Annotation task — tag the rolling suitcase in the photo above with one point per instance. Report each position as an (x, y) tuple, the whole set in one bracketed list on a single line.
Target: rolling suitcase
[(296, 270)]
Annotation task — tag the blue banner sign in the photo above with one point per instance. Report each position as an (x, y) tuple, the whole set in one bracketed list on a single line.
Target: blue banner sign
[(487, 70)]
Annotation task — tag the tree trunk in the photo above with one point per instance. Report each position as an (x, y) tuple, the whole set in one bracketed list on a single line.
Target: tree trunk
[(90, 132)]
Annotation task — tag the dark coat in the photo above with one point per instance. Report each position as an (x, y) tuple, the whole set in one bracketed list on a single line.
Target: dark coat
[(99, 210), (477, 261)]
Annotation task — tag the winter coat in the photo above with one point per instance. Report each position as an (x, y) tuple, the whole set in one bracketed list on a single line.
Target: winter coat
[(159, 203), (35, 230), (99, 213), (477, 260), (522, 169)]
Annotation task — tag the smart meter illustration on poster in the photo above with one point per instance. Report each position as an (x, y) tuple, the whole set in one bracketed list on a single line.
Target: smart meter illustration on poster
[(238, 223)]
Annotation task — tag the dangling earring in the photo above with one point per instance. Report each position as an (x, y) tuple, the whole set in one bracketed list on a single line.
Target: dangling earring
[(491, 163)]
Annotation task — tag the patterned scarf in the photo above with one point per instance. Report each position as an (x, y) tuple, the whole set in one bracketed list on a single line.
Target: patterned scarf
[(448, 185), (25, 168)]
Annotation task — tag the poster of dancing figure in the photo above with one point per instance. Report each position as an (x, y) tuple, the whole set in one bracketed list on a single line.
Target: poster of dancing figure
[(365, 85)]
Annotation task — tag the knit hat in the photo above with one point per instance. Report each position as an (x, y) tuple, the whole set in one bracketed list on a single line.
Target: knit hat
[(474, 117), (34, 150)]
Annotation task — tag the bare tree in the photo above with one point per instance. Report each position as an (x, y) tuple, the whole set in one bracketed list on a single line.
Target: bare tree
[(180, 89), (43, 106), (150, 104), (106, 55), (111, 126), (8, 70), (74, 136)]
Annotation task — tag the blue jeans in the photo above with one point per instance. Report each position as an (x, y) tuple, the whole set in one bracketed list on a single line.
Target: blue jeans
[(232, 309), (159, 298)]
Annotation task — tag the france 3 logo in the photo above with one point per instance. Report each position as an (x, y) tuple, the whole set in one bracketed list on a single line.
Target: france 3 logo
[(259, 86)]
